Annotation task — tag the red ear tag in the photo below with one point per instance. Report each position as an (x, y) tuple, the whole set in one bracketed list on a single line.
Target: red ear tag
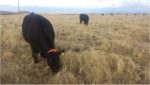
[(52, 50)]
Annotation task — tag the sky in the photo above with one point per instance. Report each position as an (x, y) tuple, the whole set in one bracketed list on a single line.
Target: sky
[(76, 6), (75, 3)]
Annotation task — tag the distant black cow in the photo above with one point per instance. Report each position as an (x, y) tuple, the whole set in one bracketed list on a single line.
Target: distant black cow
[(39, 33), (84, 18)]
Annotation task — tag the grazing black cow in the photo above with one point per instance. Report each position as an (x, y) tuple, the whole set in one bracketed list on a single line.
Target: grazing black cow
[(39, 33), (84, 18)]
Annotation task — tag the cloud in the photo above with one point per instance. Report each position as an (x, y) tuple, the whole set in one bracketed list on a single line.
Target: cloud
[(67, 3), (136, 3), (77, 3), (9, 2)]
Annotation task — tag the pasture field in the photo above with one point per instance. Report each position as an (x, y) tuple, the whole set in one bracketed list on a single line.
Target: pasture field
[(110, 50)]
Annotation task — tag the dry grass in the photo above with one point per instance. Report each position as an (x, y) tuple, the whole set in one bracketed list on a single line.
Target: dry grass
[(112, 49)]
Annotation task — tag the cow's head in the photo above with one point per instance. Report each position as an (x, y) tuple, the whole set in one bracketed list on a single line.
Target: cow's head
[(53, 60)]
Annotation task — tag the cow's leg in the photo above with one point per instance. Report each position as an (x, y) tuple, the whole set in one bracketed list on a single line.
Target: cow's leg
[(87, 22), (84, 21), (80, 21), (34, 54), (43, 54)]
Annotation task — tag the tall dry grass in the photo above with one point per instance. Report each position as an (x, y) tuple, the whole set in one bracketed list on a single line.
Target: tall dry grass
[(111, 49)]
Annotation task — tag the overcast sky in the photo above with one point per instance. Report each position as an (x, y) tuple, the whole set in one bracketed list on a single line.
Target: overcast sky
[(76, 3)]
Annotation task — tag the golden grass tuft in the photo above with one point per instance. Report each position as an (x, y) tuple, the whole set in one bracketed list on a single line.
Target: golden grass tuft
[(110, 50)]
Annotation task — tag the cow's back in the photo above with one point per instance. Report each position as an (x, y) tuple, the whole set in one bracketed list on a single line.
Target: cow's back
[(38, 31), (84, 17)]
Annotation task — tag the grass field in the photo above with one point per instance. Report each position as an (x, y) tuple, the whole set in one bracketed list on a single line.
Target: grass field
[(111, 49)]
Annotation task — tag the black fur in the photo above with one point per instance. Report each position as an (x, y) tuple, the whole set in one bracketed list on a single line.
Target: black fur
[(39, 33), (84, 18)]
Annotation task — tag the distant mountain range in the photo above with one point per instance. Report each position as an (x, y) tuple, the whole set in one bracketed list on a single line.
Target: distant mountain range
[(38, 9)]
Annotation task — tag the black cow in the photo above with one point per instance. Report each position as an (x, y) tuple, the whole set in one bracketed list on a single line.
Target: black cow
[(39, 33), (84, 18)]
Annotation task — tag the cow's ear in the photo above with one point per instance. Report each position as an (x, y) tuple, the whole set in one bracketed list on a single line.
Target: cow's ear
[(61, 51)]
